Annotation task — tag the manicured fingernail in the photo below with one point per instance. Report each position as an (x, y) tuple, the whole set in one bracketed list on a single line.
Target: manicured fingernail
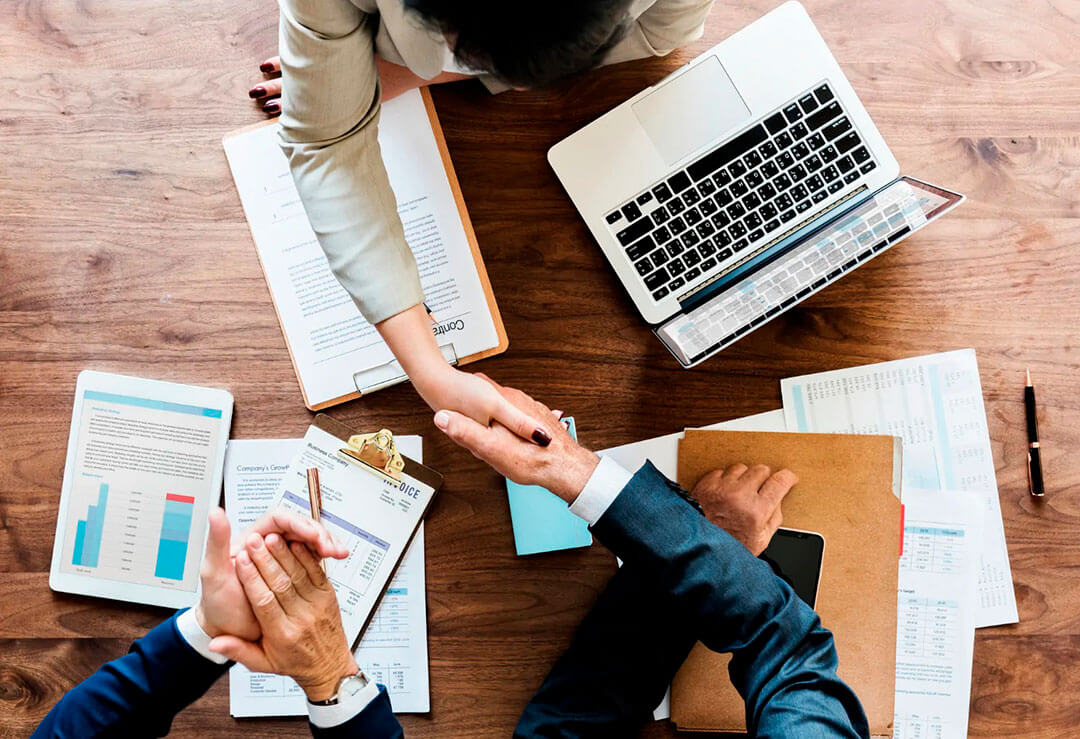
[(541, 437), (271, 108), (442, 420), (255, 541), (257, 92), (266, 67)]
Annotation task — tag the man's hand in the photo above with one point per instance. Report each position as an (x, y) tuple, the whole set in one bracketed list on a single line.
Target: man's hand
[(745, 502), (223, 607), (563, 466), (297, 610)]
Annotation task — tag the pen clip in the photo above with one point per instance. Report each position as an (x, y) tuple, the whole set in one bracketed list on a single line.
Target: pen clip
[(377, 453)]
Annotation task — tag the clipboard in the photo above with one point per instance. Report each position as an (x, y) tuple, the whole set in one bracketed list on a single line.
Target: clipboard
[(368, 380), (412, 468)]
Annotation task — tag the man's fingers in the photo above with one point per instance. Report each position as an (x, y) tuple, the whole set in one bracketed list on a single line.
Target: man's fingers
[(296, 527), (710, 480), (298, 576), (316, 577), (777, 486), (735, 471), (464, 431), (521, 423), (249, 654), (217, 542), (755, 477), (263, 603), (275, 577)]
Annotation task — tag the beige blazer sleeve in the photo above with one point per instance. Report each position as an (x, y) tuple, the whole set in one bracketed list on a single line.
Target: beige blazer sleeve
[(329, 127), (661, 28)]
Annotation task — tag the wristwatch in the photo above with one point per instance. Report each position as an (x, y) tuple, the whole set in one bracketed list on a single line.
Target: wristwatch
[(349, 686)]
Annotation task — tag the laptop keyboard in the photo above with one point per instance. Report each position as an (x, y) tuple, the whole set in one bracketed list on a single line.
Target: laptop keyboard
[(705, 217)]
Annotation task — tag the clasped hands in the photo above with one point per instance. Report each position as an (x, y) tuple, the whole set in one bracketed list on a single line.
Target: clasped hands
[(269, 606)]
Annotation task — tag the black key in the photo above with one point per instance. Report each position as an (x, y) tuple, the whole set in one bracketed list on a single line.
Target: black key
[(807, 103), (860, 155), (738, 189), (803, 293), (634, 232), (819, 196), (659, 257), (895, 237), (823, 116), (772, 225), (693, 274), (770, 170), (690, 197), (835, 187), (755, 235), (767, 150), (736, 210), (631, 211), (739, 245), (721, 219), (752, 160), (706, 229), (661, 192), (803, 205), (643, 267), (722, 239), (676, 283), (754, 179), (656, 279), (737, 169), (828, 154), (614, 216), (850, 177), (660, 215), (679, 182), (847, 142), (834, 274), (661, 235), (800, 150), (786, 216), (725, 253), (689, 238), (752, 221), (676, 267), (867, 167), (792, 113), (640, 248), (766, 191), (846, 164), (662, 292), (782, 182), (724, 197), (775, 123), (816, 141), (824, 94), (692, 217), (706, 188), (644, 198), (830, 173), (818, 283), (724, 154), (815, 183), (721, 178), (785, 160), (737, 230), (799, 131), (773, 311), (708, 264), (691, 258), (850, 263), (784, 140), (676, 226), (675, 248), (812, 164), (799, 192), (708, 207), (836, 128), (707, 248), (768, 211), (751, 201), (797, 173), (675, 206), (784, 202)]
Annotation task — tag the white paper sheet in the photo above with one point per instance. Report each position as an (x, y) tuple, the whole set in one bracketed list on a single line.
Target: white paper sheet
[(393, 651), (935, 404), (663, 452), (327, 336), (936, 603)]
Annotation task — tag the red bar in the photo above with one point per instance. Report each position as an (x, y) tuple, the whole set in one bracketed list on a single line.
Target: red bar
[(180, 498)]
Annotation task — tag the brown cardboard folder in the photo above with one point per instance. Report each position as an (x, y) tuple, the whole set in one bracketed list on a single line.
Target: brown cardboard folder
[(848, 491)]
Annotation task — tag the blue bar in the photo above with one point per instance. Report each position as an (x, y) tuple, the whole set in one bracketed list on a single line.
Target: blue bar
[(95, 522), (159, 405), (173, 542), (80, 537), (170, 559), (800, 408)]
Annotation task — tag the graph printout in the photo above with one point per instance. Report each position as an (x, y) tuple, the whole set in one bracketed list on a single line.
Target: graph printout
[(935, 404), (141, 490)]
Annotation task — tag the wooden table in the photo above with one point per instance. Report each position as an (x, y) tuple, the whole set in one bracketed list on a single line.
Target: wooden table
[(123, 248)]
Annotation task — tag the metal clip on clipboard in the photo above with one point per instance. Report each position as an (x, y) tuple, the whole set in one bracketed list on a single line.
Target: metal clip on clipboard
[(377, 453), (384, 375)]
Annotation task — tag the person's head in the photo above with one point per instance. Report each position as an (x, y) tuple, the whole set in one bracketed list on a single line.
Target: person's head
[(527, 44)]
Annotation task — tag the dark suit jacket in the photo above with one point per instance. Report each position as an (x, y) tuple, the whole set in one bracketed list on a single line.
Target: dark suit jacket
[(139, 694)]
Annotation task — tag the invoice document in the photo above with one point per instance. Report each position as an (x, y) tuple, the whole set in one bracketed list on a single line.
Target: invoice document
[(393, 650), (328, 338), (935, 404), (936, 604)]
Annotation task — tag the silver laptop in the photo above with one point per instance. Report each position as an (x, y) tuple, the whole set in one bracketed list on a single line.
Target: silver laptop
[(741, 184)]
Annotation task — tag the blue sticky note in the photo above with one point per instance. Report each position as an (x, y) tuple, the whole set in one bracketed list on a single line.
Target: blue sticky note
[(543, 521)]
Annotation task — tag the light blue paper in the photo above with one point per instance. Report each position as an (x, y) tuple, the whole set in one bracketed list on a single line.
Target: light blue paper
[(543, 521)]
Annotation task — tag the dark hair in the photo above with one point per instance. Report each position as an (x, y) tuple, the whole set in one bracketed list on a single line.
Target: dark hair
[(527, 44)]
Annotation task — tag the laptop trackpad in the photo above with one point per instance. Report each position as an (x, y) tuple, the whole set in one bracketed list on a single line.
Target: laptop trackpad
[(697, 107)]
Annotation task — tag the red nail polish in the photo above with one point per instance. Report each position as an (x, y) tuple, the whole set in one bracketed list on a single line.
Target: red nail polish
[(271, 108), (257, 92), (266, 67), (541, 437)]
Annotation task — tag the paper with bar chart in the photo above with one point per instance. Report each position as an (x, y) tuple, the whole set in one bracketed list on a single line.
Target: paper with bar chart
[(140, 490)]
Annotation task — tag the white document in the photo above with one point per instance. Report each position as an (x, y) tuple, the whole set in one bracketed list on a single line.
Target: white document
[(663, 452), (935, 404), (327, 336), (936, 600), (393, 650)]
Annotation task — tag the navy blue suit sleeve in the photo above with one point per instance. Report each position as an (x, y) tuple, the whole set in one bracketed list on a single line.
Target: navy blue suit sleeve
[(376, 721), (137, 694)]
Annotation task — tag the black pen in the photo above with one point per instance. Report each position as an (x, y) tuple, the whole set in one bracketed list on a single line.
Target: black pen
[(1035, 478)]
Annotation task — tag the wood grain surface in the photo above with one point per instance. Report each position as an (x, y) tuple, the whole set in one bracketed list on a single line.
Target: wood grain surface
[(123, 248)]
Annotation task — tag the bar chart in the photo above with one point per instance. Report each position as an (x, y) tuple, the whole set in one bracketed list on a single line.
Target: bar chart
[(175, 532), (88, 531)]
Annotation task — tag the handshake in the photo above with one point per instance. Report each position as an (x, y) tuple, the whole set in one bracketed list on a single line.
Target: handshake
[(268, 604)]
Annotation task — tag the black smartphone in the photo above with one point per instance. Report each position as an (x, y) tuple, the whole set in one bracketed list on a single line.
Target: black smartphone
[(796, 557)]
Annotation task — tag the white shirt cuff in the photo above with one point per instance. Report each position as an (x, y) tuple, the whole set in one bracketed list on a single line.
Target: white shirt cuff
[(198, 639), (349, 706), (603, 487)]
